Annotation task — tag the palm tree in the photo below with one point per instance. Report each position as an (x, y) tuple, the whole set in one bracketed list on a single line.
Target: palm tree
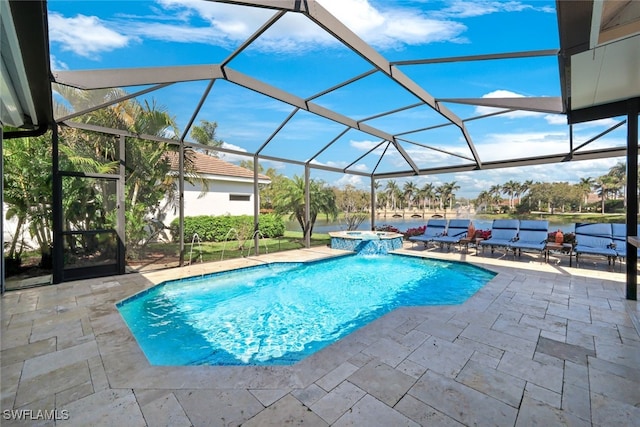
[(495, 191), (584, 187), (205, 134), (450, 189), (619, 174), (484, 198), (382, 199), (428, 193), (524, 188), (392, 191), (510, 188), (291, 199), (410, 191), (604, 185), (440, 192)]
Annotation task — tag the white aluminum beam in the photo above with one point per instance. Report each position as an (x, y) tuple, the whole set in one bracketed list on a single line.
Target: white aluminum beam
[(541, 104), (123, 77)]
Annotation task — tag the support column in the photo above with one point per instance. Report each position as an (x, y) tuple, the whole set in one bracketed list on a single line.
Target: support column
[(373, 203), (2, 269), (56, 196), (121, 191), (632, 197), (181, 199), (307, 206), (256, 206)]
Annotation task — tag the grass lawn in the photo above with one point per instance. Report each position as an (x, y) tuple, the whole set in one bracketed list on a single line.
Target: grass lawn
[(216, 251), (560, 217)]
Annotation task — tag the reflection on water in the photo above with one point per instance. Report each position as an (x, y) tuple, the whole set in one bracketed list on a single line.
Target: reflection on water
[(324, 226)]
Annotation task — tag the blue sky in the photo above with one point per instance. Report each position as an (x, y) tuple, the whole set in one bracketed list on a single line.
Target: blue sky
[(296, 56)]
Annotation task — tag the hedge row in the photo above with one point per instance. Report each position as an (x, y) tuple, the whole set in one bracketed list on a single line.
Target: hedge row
[(217, 228)]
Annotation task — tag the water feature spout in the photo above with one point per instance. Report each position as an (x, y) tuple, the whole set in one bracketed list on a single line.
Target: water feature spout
[(226, 238), (193, 239), (258, 233)]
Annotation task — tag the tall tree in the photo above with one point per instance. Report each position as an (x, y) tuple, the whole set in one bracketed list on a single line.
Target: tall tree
[(447, 191), (427, 194), (205, 134), (604, 185), (392, 191), (619, 174), (409, 191), (584, 187), (510, 188), (352, 203), (27, 192), (291, 200)]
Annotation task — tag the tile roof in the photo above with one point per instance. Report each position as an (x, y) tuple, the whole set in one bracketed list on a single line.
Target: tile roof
[(209, 165)]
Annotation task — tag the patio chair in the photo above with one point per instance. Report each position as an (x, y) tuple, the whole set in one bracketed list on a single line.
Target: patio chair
[(503, 233), (456, 231), (435, 228), (594, 239), (619, 235), (532, 236)]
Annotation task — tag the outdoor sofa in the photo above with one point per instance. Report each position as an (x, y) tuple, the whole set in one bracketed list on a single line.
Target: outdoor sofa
[(436, 227), (532, 237), (456, 231), (594, 239), (503, 233)]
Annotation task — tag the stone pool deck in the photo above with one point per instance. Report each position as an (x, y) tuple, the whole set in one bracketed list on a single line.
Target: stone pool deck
[(541, 344)]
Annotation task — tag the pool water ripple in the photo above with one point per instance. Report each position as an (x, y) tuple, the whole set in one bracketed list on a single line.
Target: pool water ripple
[(280, 313)]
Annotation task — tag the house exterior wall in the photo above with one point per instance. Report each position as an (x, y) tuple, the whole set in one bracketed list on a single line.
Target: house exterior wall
[(217, 201)]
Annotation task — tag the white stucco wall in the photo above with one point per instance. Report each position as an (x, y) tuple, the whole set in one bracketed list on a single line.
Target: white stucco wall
[(216, 200), (9, 229)]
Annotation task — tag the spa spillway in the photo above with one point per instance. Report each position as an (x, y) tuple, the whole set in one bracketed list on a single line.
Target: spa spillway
[(366, 242)]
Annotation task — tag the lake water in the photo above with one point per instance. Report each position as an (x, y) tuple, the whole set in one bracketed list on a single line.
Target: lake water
[(324, 226)]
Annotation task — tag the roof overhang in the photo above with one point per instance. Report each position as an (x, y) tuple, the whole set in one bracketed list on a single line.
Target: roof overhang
[(600, 57), (25, 100)]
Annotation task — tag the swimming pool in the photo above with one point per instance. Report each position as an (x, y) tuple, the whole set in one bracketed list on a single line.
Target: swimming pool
[(279, 313)]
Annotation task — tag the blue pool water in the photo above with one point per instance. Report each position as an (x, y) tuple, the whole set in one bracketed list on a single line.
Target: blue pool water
[(279, 313)]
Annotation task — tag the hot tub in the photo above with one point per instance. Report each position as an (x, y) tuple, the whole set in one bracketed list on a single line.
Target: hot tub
[(366, 242)]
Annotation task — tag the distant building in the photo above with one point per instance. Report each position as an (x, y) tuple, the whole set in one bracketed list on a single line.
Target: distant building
[(229, 192)]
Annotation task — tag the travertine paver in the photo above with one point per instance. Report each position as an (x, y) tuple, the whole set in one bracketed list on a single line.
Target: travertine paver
[(370, 411), (461, 402), (540, 344), (503, 387), (164, 410), (287, 411), (382, 382)]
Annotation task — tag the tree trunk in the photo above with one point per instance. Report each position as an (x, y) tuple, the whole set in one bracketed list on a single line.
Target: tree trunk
[(16, 235)]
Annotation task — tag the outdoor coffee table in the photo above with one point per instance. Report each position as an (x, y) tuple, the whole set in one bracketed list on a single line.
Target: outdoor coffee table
[(562, 248)]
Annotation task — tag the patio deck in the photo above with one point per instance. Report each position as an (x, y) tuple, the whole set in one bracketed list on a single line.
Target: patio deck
[(540, 344)]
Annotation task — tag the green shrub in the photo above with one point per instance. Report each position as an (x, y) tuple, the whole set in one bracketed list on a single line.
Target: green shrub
[(219, 228), (271, 225)]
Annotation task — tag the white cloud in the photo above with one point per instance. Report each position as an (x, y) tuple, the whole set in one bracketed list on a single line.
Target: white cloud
[(392, 27), (86, 36), (355, 180), (56, 64), (365, 145), (556, 119), (360, 167), (231, 157), (228, 25), (604, 123), (468, 9), (481, 110), (500, 146)]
